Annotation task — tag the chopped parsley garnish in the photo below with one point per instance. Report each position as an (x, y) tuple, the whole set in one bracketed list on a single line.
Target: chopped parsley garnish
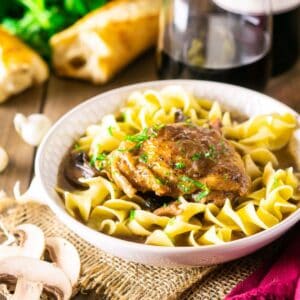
[(211, 153), (132, 215), (196, 156), (275, 183), (168, 173), (203, 193), (110, 130), (187, 184), (172, 221), (140, 137), (123, 116), (143, 158), (77, 146), (179, 165), (160, 180), (225, 176), (98, 157), (184, 188), (158, 127), (223, 147)]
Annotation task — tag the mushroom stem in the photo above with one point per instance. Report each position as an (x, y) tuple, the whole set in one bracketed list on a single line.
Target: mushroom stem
[(27, 290), (32, 243), (34, 272), (65, 256)]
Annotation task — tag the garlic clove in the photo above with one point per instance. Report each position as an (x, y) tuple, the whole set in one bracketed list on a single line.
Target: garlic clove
[(33, 128), (3, 159), (2, 194)]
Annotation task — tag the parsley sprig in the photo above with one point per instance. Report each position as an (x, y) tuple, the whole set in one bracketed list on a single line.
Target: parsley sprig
[(187, 184), (98, 157)]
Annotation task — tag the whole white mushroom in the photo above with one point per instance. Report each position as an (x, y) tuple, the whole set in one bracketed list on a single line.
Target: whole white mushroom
[(33, 128), (3, 159)]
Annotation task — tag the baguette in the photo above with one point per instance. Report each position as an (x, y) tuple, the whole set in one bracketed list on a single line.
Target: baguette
[(107, 39), (20, 66)]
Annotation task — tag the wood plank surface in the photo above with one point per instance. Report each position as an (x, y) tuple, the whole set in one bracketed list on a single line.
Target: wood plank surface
[(20, 154), (286, 88)]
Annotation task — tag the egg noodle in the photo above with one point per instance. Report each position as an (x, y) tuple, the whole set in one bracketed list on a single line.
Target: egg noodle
[(273, 195)]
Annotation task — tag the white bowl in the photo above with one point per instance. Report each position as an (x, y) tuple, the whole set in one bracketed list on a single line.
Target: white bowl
[(73, 124)]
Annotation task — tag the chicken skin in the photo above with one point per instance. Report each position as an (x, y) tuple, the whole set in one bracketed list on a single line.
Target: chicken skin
[(180, 159)]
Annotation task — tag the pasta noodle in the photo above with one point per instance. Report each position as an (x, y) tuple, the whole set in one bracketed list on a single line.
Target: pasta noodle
[(274, 192)]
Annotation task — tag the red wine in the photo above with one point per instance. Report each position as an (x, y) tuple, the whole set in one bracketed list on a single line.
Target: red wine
[(285, 40), (254, 75), (216, 47)]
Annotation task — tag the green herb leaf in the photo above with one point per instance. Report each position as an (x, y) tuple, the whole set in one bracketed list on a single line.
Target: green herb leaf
[(132, 215), (202, 194), (275, 183), (172, 221), (225, 176), (76, 7), (157, 127), (196, 156), (143, 158), (77, 147), (110, 130), (187, 184), (211, 153), (179, 165), (98, 157), (140, 137), (160, 181), (123, 116)]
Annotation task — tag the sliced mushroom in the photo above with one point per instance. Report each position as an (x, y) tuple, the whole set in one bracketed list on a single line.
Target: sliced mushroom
[(77, 166), (33, 276), (179, 116), (171, 210), (31, 242), (64, 255)]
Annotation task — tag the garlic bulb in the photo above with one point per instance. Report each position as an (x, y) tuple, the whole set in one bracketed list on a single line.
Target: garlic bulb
[(33, 128), (3, 159)]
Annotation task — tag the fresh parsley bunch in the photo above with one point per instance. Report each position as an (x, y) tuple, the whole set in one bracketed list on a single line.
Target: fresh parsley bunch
[(35, 21)]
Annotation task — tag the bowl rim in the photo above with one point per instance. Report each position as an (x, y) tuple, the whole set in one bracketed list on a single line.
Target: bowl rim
[(74, 223)]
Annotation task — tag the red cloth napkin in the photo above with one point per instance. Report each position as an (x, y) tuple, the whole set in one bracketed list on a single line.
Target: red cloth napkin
[(278, 280)]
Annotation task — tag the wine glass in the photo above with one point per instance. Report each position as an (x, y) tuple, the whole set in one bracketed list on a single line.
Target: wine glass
[(219, 40)]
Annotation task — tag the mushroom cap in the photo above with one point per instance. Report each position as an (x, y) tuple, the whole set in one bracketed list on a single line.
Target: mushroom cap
[(32, 242), (65, 256), (53, 279)]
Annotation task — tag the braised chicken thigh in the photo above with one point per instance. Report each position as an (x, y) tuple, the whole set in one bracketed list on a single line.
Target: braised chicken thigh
[(179, 159)]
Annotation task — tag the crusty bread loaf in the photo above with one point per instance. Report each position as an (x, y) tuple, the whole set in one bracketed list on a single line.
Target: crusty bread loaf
[(20, 66), (104, 41)]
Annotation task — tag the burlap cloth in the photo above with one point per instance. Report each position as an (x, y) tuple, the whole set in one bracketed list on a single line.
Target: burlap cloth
[(114, 278)]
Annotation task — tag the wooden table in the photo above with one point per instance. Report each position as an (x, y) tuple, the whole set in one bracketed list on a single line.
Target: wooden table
[(58, 95)]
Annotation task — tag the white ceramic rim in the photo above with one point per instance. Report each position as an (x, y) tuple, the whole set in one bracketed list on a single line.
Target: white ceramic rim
[(77, 226)]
